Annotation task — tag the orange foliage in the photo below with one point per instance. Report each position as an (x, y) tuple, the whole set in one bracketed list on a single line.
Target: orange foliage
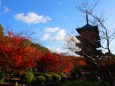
[(64, 64), (15, 56), (46, 61), (82, 62)]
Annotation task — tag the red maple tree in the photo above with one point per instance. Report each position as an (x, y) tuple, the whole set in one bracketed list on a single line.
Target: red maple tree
[(14, 55), (46, 61)]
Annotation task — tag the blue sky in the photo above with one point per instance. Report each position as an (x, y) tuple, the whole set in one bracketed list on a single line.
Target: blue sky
[(51, 20)]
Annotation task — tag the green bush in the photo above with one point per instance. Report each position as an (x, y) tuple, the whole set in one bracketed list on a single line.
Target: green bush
[(2, 75), (41, 79), (63, 76), (48, 77), (37, 73), (56, 77), (27, 77)]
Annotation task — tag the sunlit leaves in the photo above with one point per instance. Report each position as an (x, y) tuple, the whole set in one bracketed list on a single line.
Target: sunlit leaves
[(16, 56)]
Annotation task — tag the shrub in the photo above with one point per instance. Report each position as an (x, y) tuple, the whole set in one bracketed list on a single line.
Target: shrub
[(37, 73), (48, 77), (56, 77), (2, 75), (63, 76), (41, 79), (27, 77)]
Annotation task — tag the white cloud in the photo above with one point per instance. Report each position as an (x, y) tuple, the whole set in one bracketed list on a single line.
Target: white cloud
[(32, 17), (55, 49), (54, 34), (58, 49), (3, 9), (46, 36), (60, 35), (51, 30)]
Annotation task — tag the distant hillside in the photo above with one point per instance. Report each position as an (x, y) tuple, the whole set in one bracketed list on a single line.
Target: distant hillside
[(26, 42)]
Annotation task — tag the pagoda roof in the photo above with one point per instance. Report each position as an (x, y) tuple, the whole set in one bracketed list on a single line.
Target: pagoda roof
[(90, 29), (87, 26)]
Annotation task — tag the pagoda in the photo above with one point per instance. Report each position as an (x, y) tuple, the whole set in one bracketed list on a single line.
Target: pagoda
[(89, 41)]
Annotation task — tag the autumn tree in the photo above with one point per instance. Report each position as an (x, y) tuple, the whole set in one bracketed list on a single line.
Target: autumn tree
[(46, 61), (15, 55), (65, 64)]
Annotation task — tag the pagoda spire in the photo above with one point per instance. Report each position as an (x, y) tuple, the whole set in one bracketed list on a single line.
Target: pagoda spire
[(87, 20)]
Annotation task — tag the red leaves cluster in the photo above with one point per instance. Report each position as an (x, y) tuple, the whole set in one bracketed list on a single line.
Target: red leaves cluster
[(15, 56), (47, 60), (64, 64), (81, 62), (67, 64)]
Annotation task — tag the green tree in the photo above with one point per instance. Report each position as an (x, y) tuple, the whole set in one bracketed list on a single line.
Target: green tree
[(1, 30)]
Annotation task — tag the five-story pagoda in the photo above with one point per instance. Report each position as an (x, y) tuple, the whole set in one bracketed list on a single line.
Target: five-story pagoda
[(89, 42)]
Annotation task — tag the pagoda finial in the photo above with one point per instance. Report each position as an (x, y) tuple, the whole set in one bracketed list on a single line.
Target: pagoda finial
[(87, 18)]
